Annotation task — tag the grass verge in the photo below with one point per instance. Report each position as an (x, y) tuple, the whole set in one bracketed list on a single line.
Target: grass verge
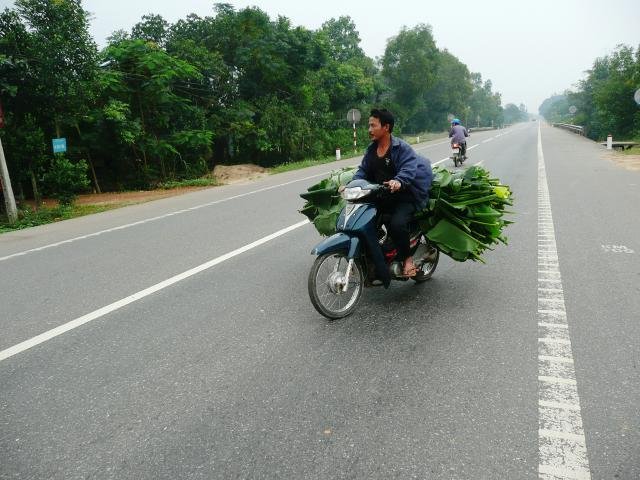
[(31, 218), (632, 151), (289, 166), (193, 182)]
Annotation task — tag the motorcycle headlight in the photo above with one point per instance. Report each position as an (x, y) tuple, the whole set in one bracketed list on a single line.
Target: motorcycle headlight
[(354, 193)]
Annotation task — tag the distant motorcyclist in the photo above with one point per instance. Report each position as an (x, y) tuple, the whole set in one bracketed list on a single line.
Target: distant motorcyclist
[(458, 134)]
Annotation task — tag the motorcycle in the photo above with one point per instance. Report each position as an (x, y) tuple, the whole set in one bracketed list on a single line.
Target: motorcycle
[(456, 154), (361, 254)]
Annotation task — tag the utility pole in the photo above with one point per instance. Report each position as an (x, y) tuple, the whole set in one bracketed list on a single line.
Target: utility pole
[(9, 200)]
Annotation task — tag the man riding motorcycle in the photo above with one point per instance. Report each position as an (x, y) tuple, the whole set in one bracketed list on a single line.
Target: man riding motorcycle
[(392, 162), (458, 134)]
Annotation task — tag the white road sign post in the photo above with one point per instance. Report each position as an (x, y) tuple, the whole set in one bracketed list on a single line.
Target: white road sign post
[(353, 116)]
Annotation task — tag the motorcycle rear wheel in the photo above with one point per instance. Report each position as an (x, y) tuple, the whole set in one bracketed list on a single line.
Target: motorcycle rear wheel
[(326, 281)]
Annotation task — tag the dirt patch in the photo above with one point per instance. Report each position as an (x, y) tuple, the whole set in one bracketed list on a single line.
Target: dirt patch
[(245, 173), (224, 174), (630, 162)]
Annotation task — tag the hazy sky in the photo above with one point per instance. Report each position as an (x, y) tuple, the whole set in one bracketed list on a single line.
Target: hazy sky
[(529, 50)]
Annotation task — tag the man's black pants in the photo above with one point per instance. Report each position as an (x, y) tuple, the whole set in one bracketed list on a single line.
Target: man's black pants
[(397, 217)]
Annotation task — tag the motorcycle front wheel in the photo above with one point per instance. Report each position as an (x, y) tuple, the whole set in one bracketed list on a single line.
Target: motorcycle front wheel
[(326, 285)]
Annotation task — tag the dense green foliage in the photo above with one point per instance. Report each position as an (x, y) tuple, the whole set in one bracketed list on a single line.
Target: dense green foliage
[(166, 102), (463, 218), (65, 179), (604, 100)]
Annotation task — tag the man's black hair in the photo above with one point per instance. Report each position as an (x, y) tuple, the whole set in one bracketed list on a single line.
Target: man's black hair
[(385, 117)]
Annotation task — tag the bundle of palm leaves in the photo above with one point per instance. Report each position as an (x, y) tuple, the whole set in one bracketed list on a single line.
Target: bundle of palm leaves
[(463, 218)]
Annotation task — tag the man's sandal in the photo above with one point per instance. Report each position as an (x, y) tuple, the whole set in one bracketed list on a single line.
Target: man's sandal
[(412, 272)]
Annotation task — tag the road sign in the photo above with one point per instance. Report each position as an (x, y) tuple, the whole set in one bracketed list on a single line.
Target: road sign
[(59, 145), (572, 109), (353, 115), (636, 97)]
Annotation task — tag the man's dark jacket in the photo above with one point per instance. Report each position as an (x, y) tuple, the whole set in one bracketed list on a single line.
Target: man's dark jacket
[(412, 170)]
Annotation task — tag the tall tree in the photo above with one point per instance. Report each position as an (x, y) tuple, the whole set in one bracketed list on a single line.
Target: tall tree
[(152, 28), (449, 94), (409, 66), (62, 56), (343, 39)]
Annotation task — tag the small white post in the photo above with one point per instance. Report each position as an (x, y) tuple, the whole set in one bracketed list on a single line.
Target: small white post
[(338, 154), (418, 140), (609, 142)]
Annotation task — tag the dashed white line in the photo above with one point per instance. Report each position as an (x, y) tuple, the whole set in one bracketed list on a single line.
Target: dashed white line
[(555, 359), (561, 442), (562, 435), (565, 406), (553, 325), (432, 145), (567, 381), (554, 340)]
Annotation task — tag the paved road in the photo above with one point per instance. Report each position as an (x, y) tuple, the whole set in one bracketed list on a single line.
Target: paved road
[(226, 371)]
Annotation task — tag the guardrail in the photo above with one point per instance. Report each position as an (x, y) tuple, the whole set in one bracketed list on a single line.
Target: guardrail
[(572, 128)]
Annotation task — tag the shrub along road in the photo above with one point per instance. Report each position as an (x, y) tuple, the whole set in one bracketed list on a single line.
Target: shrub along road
[(226, 371)]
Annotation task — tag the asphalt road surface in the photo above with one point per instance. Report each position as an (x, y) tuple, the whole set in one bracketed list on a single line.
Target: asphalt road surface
[(175, 339)]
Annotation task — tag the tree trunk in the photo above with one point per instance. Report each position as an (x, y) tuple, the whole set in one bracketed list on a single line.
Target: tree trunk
[(144, 131), (93, 170), (34, 186)]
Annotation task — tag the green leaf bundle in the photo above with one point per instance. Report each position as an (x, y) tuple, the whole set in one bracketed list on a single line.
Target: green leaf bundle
[(463, 218)]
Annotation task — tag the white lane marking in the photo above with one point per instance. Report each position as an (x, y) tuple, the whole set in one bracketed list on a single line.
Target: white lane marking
[(443, 160), (488, 140), (433, 145), (159, 217), (48, 335), (561, 442), (552, 313), (547, 358), (553, 473), (566, 381), (566, 406), (554, 340), (562, 435), (553, 325), (473, 146)]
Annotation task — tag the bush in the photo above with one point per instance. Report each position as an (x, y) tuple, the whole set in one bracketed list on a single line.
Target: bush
[(65, 179)]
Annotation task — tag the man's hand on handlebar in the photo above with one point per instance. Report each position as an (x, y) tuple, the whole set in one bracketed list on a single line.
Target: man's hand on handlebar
[(394, 185)]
